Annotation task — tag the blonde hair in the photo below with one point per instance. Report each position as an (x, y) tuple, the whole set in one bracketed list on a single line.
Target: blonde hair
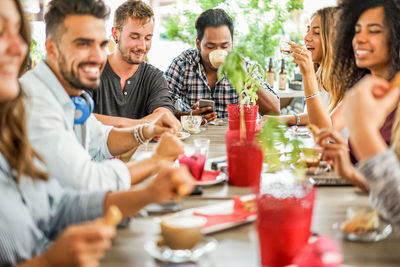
[(396, 133), (328, 18), (133, 9)]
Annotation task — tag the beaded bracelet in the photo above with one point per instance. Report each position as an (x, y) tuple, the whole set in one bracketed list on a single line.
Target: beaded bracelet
[(312, 96), (138, 134), (297, 119)]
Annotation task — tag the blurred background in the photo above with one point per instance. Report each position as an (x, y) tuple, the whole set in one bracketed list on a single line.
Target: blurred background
[(259, 25)]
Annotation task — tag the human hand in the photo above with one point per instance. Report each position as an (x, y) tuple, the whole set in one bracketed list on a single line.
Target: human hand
[(368, 103), (205, 112), (171, 182), (79, 245), (169, 147), (303, 58), (166, 122), (335, 150)]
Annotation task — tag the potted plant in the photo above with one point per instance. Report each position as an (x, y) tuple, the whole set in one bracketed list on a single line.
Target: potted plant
[(242, 116), (244, 155)]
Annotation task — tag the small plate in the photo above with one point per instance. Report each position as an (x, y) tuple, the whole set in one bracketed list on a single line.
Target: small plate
[(222, 177), (183, 135), (383, 231), (164, 253), (218, 122)]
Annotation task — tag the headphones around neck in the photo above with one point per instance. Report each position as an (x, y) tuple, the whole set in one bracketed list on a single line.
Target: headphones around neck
[(84, 106)]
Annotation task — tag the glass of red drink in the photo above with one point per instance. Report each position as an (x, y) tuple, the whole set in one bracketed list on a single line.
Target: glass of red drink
[(245, 160), (284, 214), (250, 116)]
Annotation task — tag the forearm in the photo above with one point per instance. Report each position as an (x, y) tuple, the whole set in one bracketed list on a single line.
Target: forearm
[(142, 169), (118, 122), (155, 114), (365, 141), (317, 113), (38, 261), (268, 103), (129, 202), (121, 141)]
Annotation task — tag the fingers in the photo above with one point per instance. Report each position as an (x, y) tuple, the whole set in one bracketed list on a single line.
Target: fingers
[(210, 117), (325, 135), (195, 106), (93, 232), (201, 111), (182, 180)]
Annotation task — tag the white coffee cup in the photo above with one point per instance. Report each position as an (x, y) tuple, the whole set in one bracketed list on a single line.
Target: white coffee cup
[(192, 124)]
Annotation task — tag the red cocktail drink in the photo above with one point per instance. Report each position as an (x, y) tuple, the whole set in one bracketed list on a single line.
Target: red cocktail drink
[(283, 221), (250, 116), (244, 160)]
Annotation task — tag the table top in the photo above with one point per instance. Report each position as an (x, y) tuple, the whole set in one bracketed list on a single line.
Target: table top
[(239, 246)]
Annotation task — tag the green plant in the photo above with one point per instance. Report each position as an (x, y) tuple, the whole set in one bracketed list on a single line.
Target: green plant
[(274, 134), (244, 80), (37, 52), (257, 36)]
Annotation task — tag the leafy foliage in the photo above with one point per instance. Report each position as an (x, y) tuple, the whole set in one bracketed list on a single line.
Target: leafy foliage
[(257, 36), (244, 79), (273, 135)]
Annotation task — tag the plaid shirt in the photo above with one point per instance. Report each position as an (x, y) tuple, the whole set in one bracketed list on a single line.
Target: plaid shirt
[(188, 84)]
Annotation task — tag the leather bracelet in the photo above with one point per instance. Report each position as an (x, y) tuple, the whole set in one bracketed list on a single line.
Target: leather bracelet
[(297, 119), (312, 96)]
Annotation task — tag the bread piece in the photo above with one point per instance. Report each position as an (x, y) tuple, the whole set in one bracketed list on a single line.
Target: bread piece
[(363, 221), (113, 216)]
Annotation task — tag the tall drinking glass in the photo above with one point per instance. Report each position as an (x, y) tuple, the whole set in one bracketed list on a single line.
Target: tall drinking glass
[(284, 213)]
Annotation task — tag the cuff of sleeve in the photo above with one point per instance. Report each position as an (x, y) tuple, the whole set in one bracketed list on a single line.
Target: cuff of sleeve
[(122, 173), (374, 167), (106, 134), (95, 205)]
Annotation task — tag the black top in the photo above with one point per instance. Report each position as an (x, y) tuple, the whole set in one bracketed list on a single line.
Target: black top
[(145, 91)]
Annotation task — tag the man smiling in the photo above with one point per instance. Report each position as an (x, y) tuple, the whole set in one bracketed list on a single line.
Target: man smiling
[(75, 146), (131, 88)]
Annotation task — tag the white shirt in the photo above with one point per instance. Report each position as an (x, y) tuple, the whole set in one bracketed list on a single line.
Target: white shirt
[(77, 155)]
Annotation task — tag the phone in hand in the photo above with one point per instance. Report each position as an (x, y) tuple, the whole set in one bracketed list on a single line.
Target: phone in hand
[(207, 103)]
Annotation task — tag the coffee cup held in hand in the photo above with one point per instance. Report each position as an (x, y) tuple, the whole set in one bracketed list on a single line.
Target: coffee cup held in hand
[(182, 232), (217, 57)]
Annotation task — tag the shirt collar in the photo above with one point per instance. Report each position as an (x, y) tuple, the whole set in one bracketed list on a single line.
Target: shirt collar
[(47, 76)]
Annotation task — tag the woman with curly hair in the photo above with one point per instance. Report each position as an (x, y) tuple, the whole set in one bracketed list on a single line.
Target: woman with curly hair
[(369, 102), (368, 42)]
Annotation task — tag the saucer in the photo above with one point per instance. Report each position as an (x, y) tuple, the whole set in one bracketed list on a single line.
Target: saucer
[(384, 230), (222, 177), (164, 253)]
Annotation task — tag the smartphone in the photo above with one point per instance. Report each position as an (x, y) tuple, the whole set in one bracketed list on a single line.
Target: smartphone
[(207, 103)]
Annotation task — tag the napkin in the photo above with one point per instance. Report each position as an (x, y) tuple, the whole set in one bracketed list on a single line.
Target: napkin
[(209, 176), (239, 214)]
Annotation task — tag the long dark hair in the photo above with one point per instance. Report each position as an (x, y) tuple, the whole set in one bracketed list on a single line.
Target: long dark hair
[(344, 65), (14, 143)]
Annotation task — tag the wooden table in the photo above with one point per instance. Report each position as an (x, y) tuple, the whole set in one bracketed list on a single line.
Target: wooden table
[(239, 246)]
